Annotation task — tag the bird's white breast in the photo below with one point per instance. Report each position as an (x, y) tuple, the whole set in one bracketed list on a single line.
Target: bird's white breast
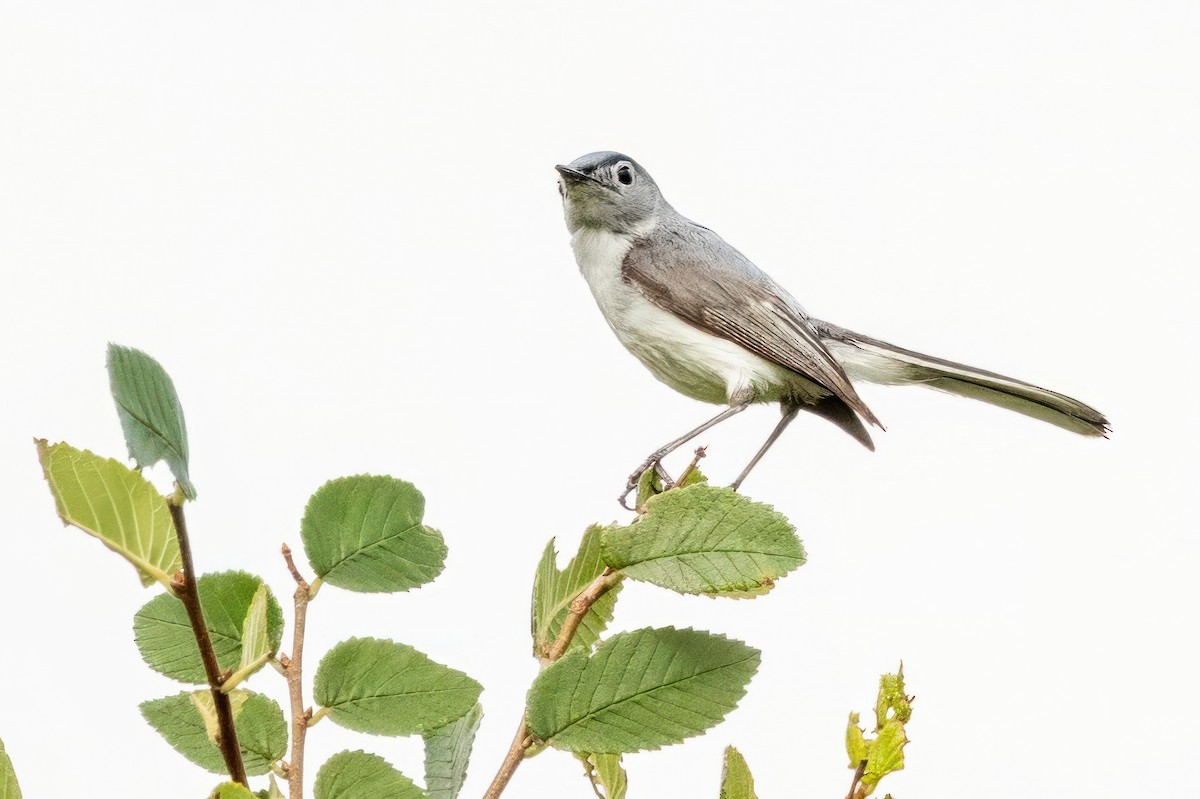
[(683, 356)]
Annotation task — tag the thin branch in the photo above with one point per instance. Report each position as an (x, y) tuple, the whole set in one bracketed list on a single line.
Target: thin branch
[(292, 670), (858, 775), (184, 587), (523, 740), (691, 467), (580, 605), (516, 753)]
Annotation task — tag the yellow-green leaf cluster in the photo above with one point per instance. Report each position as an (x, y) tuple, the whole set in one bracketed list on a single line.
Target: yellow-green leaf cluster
[(884, 753), (736, 780)]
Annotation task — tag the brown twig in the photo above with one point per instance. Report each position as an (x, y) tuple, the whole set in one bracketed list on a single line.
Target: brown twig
[(580, 605), (858, 775), (184, 587), (691, 467), (292, 670), (516, 753)]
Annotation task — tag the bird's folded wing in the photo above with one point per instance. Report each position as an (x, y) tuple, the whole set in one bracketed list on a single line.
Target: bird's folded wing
[(694, 274)]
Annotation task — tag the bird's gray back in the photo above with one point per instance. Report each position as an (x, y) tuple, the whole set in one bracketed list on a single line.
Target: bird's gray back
[(690, 271)]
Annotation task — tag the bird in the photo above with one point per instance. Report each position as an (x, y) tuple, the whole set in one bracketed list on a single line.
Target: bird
[(713, 326)]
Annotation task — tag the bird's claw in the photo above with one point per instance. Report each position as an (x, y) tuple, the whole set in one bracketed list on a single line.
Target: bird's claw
[(631, 484), (621, 500)]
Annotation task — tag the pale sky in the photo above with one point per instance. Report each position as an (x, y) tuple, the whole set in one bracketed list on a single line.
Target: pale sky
[(338, 229)]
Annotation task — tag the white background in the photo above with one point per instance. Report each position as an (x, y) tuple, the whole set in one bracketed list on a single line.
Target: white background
[(336, 225)]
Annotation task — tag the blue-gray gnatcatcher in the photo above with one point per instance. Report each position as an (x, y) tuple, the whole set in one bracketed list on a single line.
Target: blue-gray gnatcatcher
[(713, 326)]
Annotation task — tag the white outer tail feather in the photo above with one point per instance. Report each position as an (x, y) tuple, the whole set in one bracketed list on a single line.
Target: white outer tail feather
[(874, 361)]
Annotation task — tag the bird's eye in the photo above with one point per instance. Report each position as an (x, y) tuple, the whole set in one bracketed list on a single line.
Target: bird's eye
[(625, 174)]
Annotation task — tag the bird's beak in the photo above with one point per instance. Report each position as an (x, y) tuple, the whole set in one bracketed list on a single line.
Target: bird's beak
[(574, 175)]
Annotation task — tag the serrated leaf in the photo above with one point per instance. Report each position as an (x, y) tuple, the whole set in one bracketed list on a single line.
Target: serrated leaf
[(206, 706), (382, 687), (447, 753), (640, 690), (736, 780), (256, 643), (608, 776), (705, 540), (892, 702), (151, 416), (553, 591), (231, 790), (9, 789), (692, 478), (181, 720), (358, 775), (885, 752), (108, 500), (164, 635), (856, 744), (365, 534), (649, 485)]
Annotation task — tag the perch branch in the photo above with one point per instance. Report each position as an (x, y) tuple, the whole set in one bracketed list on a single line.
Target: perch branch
[(580, 605)]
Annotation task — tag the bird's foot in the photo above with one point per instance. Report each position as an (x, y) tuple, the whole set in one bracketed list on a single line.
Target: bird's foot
[(631, 484)]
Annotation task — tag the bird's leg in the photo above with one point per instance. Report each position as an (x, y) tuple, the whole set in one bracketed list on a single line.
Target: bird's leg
[(789, 413), (667, 449)]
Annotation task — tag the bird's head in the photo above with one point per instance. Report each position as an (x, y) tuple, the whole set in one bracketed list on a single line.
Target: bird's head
[(607, 191)]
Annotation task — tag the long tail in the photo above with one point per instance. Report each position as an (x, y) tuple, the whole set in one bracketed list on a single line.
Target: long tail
[(875, 361)]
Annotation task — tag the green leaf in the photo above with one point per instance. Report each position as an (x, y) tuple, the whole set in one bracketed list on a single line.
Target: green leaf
[(358, 775), (188, 723), (885, 752), (704, 540), (151, 416), (736, 780), (256, 642), (164, 635), (649, 485), (273, 791), (606, 773), (447, 753), (892, 701), (640, 690), (206, 706), (382, 687), (8, 777), (364, 533), (856, 744), (553, 591), (110, 501), (231, 790), (692, 478)]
